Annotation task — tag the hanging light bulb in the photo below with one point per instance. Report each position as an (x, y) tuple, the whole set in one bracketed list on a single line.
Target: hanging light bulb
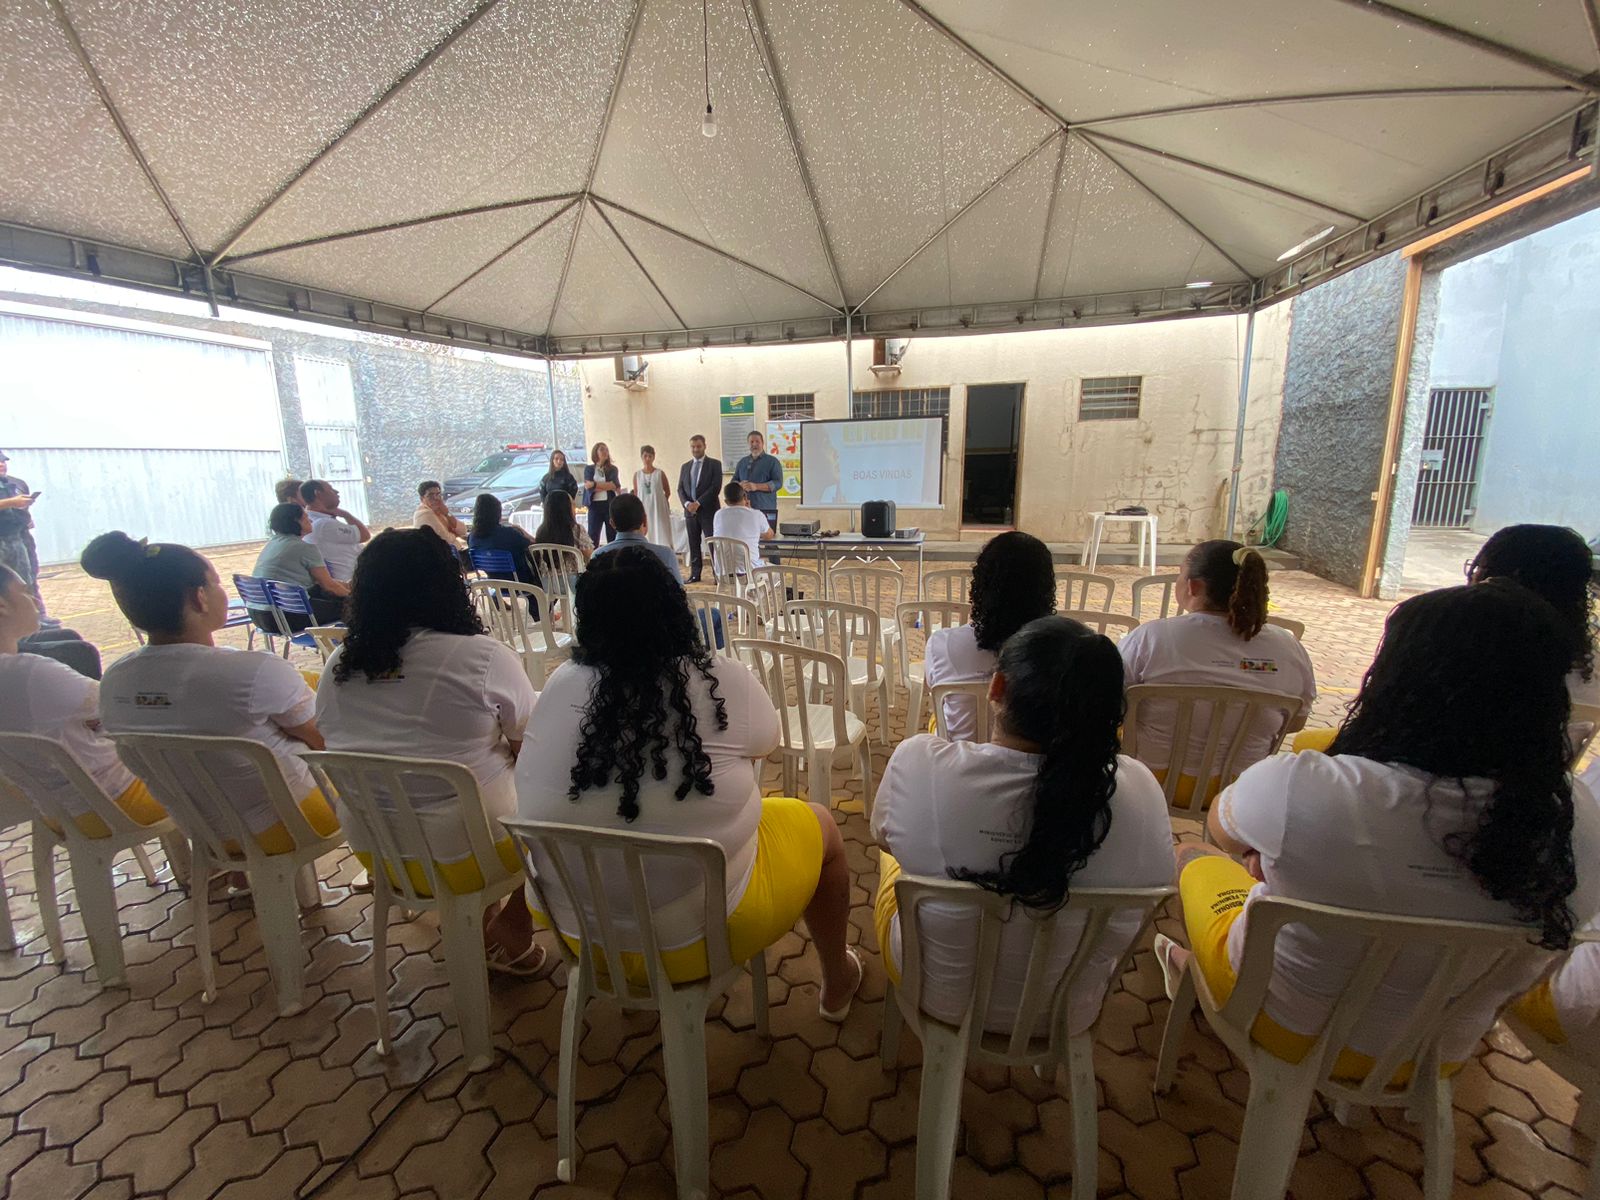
[(708, 126)]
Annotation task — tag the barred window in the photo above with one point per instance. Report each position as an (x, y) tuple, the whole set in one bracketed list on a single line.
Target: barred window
[(901, 402), (792, 406), (1110, 398)]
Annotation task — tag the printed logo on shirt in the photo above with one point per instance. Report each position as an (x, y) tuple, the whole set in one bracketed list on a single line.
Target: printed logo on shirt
[(152, 700), (1269, 665)]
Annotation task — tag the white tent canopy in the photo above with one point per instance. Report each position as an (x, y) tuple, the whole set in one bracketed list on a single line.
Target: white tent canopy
[(531, 174)]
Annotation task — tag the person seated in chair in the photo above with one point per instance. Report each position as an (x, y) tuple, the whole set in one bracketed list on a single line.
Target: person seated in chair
[(183, 682), (1013, 582), (1048, 805), (432, 514), (1445, 795), (736, 519), (633, 529), (644, 731), (1222, 639), (417, 677), (489, 532), (289, 558)]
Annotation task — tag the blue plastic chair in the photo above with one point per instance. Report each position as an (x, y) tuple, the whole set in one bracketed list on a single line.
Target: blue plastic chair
[(253, 593), (496, 564), (291, 599)]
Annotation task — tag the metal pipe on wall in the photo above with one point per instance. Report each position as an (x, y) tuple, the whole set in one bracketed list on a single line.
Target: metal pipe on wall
[(1238, 433)]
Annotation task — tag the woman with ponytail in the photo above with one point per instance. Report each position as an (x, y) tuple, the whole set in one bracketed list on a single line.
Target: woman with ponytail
[(1445, 794), (1221, 639), (1050, 803)]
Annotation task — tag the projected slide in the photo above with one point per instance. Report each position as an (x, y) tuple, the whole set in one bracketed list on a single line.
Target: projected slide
[(846, 463)]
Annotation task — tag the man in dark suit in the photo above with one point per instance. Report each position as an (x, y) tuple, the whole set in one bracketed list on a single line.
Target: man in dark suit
[(699, 486)]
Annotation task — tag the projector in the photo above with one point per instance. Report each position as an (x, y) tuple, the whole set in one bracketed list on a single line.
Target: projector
[(799, 528)]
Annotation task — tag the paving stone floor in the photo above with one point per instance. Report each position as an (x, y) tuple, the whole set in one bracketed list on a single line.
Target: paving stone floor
[(144, 1091)]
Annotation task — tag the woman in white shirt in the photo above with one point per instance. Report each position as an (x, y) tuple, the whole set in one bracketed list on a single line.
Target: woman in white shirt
[(650, 485), (42, 696), (645, 731), (1445, 794), (183, 682), (1221, 640), (1013, 582), (432, 514), (1049, 804), (416, 676)]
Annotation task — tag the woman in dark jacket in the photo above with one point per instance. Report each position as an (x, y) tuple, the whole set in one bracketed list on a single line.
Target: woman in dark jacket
[(601, 484), (559, 478), (490, 533)]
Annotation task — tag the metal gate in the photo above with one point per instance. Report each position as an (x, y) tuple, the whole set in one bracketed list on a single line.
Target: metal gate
[(1447, 482), (328, 408)]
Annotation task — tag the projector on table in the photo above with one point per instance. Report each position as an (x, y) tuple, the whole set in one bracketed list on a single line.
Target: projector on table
[(799, 528)]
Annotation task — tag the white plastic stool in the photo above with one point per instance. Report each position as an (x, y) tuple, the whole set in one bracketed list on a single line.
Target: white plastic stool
[(1146, 523)]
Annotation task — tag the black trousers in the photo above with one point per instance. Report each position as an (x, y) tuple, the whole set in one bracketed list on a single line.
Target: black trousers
[(699, 524)]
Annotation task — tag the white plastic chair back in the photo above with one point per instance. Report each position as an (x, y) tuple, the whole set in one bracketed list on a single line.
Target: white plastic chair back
[(850, 631), (1584, 722), (1298, 628), (557, 568), (977, 691), (916, 620), (730, 559), (1164, 604), (1221, 717), (772, 587), (328, 638), (1113, 625), (799, 679), (503, 607), (37, 767), (1084, 590), (738, 618), (882, 589), (946, 585)]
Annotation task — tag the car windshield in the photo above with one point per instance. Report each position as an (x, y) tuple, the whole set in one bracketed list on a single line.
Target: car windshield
[(495, 462), (525, 475)]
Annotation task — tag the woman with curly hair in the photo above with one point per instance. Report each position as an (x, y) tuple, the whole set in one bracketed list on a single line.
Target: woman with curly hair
[(1221, 639), (1048, 804), (417, 676), (644, 730), (1013, 582), (1445, 794)]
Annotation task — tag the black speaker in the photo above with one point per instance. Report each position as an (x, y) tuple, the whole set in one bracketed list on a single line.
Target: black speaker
[(877, 518)]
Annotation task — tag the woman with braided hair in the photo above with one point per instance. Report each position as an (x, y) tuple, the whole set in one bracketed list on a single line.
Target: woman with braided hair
[(645, 731)]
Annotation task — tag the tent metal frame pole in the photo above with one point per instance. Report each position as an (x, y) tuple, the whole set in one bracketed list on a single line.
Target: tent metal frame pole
[(1591, 14), (516, 245), (1238, 432), (1416, 93), (555, 421)]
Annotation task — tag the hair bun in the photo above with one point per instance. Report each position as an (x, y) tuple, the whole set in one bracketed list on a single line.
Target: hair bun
[(112, 555)]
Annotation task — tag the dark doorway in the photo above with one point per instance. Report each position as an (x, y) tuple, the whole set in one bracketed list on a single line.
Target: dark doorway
[(989, 462)]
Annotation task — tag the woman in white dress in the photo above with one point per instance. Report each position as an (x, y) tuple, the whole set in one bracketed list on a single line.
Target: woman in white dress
[(650, 485)]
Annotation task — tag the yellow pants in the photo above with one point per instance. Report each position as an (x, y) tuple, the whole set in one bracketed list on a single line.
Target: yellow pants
[(1185, 790), (137, 804), (884, 910), (1312, 739), (1537, 1009), (787, 868), (276, 840), (463, 876), (1213, 891)]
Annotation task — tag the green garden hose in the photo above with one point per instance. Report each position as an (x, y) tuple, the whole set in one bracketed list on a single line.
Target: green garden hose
[(1277, 517)]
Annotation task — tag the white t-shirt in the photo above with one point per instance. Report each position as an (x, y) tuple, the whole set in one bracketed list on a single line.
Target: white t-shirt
[(729, 816), (743, 523), (458, 697), (1366, 835), (339, 541), (40, 695), (954, 656), (945, 804), (220, 692), (1201, 650)]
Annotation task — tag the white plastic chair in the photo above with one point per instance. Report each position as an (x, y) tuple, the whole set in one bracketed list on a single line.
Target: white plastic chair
[(180, 770), (772, 587), (1112, 625), (946, 585), (1164, 607), (1298, 628), (1586, 719), (1219, 716), (328, 638), (1582, 1071), (1467, 956), (841, 629), (378, 794), (977, 690), (1045, 998), (578, 881), (503, 607), (14, 810), (737, 618), (29, 761), (817, 723), (882, 589), (558, 568), (917, 620), (730, 565), (1084, 590)]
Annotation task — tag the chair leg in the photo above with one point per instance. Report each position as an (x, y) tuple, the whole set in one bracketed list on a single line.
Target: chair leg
[(461, 931), (791, 776), (864, 764), (380, 957), (1274, 1119), (142, 857), (8, 935), (278, 915), (683, 1051), (885, 710), (200, 919), (567, 1073), (1438, 1137), (944, 1066), (307, 889), (44, 884), (176, 847), (913, 707), (819, 777), (1172, 1036), (1085, 1117), (758, 992), (97, 905), (889, 1041)]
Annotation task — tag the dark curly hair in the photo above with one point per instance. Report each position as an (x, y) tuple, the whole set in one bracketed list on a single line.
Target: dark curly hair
[(1235, 579), (1063, 693), (405, 579), (635, 629), (1470, 683), (1556, 563), (1013, 582)]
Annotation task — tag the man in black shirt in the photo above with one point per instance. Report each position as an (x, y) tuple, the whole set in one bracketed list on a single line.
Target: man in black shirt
[(15, 501)]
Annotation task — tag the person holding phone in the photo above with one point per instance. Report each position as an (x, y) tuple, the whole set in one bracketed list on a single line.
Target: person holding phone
[(16, 519)]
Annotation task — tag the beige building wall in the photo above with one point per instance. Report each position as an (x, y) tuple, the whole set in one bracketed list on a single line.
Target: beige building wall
[(1174, 458)]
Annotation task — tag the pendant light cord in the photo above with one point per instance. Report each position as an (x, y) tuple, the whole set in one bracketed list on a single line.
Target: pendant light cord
[(705, 45)]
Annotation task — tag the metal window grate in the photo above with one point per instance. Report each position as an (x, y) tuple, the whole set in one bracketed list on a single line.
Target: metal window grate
[(905, 402), (1452, 446), (1110, 398), (792, 406)]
